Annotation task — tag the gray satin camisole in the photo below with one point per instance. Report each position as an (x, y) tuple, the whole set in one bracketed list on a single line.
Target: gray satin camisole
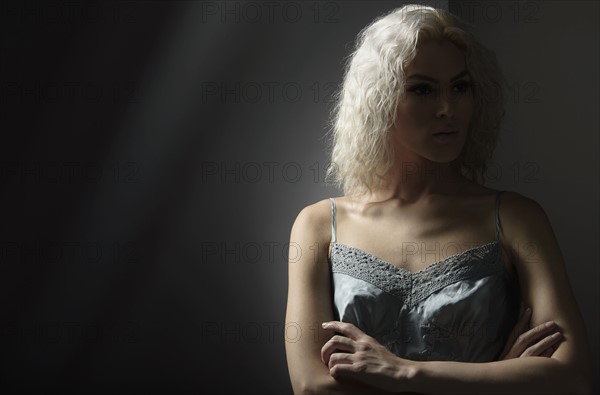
[(459, 309)]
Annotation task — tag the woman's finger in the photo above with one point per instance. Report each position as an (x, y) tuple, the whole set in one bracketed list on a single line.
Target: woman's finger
[(548, 353), (537, 333), (345, 328), (542, 346), (531, 338), (340, 358), (337, 342)]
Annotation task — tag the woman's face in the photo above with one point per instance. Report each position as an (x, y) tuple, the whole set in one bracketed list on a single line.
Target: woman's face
[(437, 98)]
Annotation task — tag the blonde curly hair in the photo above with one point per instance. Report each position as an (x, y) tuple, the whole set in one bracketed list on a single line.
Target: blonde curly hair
[(365, 104)]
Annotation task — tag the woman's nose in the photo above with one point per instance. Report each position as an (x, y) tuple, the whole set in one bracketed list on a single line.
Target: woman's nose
[(445, 104)]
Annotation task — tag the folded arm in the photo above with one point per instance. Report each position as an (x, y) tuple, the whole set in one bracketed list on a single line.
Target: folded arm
[(528, 375), (545, 287)]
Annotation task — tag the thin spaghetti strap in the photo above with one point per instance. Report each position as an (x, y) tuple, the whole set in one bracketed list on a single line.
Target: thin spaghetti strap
[(332, 220), (497, 216)]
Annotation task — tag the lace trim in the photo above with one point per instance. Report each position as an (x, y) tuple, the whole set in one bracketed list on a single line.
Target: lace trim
[(413, 287)]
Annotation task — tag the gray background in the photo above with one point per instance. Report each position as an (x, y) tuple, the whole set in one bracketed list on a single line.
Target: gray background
[(156, 154)]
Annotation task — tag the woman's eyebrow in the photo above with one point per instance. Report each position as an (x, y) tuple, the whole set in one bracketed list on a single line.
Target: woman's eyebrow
[(424, 77)]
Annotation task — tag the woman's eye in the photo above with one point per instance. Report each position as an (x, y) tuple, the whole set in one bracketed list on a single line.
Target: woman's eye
[(420, 89), (425, 90), (463, 86)]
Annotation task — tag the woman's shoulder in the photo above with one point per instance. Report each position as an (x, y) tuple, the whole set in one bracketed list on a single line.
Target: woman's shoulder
[(512, 204), (513, 199), (522, 218), (519, 205), (514, 208), (316, 219), (317, 212)]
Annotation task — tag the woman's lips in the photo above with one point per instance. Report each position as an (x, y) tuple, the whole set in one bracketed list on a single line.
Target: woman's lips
[(445, 136), (446, 132)]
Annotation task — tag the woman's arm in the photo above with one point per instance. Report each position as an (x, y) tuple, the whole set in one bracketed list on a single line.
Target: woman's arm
[(528, 375), (309, 304), (545, 287)]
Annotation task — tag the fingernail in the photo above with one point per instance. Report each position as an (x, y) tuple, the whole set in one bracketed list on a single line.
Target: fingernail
[(550, 324), (325, 324), (528, 310), (557, 335)]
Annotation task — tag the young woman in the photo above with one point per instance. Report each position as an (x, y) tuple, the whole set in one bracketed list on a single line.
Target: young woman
[(420, 273)]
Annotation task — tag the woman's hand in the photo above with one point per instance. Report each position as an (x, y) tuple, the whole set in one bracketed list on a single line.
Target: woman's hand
[(525, 342), (364, 359)]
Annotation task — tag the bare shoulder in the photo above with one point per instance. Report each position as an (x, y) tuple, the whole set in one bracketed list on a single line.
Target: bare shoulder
[(515, 200), (313, 224), (521, 215), (529, 237)]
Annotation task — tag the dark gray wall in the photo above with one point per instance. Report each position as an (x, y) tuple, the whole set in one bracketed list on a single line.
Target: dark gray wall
[(155, 155)]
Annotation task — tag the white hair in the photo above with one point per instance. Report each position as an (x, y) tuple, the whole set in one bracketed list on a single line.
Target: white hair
[(365, 104)]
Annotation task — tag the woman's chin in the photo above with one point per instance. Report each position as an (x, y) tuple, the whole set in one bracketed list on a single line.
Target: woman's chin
[(444, 157)]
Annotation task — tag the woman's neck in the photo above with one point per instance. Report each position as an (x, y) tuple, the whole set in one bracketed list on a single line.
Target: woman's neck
[(414, 182)]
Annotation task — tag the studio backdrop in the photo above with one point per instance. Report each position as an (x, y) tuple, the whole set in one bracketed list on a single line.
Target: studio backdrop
[(155, 155)]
